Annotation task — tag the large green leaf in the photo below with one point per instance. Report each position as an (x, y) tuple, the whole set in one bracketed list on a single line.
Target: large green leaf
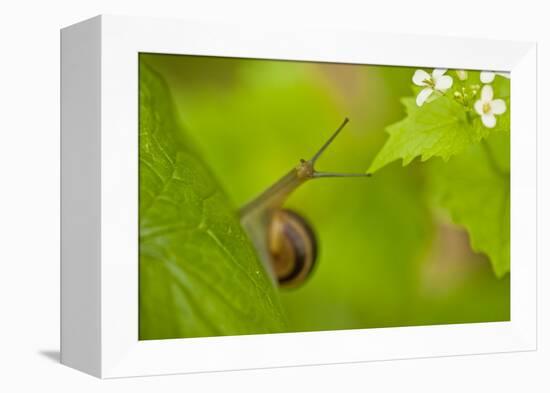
[(199, 275), (475, 188)]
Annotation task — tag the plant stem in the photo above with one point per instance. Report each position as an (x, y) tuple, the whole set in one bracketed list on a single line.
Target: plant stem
[(492, 160)]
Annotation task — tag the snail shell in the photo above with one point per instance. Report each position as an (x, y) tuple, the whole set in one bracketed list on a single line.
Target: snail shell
[(292, 246)]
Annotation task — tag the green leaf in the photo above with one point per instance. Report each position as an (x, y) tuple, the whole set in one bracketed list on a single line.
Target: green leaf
[(199, 274), (438, 128), (475, 188), (475, 185), (441, 127)]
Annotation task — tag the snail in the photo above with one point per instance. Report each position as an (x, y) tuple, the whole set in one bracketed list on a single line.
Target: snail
[(285, 240)]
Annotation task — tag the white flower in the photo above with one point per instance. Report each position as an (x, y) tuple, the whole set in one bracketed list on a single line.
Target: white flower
[(435, 82), (489, 76), (487, 108), (462, 74)]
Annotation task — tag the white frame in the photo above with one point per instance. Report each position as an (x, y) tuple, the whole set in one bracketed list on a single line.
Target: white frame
[(100, 197)]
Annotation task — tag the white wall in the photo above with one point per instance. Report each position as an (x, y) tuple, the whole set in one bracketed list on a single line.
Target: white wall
[(29, 195)]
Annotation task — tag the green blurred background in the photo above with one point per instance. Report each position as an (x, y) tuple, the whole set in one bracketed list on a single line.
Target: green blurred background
[(387, 257)]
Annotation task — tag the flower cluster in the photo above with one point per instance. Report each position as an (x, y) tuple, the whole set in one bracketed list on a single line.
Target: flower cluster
[(438, 83)]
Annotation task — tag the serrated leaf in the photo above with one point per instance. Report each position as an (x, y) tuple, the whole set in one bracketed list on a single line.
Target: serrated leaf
[(199, 275), (438, 128), (441, 127), (475, 188)]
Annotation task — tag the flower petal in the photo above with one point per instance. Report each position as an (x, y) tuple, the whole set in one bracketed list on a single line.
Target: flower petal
[(487, 76), (478, 106), (444, 82), (498, 106), (419, 77), (438, 73), (489, 120), (487, 93), (423, 96), (462, 74)]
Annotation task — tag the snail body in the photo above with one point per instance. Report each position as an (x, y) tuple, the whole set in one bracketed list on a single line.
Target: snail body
[(285, 241)]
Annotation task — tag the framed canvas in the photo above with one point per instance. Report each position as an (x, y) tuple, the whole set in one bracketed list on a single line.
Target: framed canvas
[(198, 235)]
